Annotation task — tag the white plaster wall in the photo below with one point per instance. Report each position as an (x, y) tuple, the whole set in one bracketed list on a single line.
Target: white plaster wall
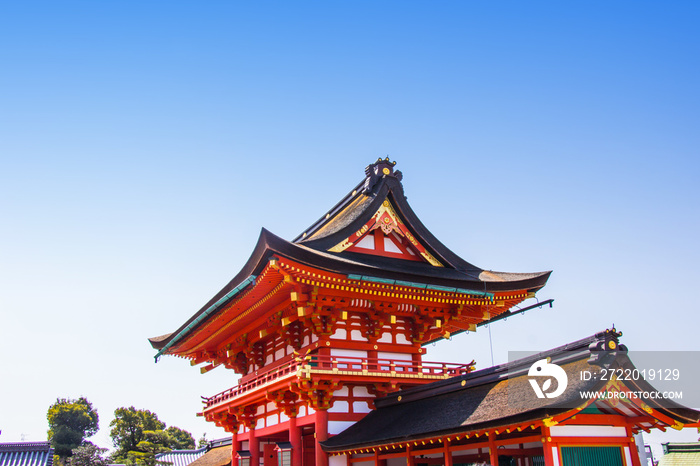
[(396, 356), (356, 335), (401, 339), (336, 427), (366, 243), (360, 391), (389, 246), (339, 406), (587, 431), (360, 407), (348, 353), (340, 334), (340, 460)]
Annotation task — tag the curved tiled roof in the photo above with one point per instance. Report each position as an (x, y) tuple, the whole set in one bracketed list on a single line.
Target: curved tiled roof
[(219, 456), (26, 454), (680, 454), (347, 217), (181, 457), (496, 397)]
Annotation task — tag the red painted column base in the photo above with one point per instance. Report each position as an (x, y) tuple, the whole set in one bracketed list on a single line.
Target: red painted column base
[(321, 435)]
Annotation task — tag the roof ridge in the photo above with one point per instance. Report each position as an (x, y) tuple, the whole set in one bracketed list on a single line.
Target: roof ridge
[(565, 353), (332, 211), (26, 445)]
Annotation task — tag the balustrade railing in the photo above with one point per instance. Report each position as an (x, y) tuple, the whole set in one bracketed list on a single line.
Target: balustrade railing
[(347, 365)]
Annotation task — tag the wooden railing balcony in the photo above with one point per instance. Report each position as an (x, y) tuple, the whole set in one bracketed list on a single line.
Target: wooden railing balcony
[(307, 367)]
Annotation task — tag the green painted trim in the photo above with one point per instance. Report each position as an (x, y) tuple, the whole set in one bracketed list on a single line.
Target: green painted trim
[(365, 278), (592, 456), (411, 284), (224, 299)]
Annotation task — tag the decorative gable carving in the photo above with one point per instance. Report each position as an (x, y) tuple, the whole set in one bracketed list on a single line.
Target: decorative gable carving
[(385, 234)]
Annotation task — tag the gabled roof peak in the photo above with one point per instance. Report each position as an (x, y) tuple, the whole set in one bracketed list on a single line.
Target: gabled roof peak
[(377, 170), (348, 221)]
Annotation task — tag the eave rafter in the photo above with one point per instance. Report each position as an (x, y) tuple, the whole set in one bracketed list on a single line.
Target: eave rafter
[(242, 309), (289, 296), (317, 393), (474, 439), (448, 312), (660, 416)]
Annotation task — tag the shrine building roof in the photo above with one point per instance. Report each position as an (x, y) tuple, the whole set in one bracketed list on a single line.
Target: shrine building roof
[(501, 397), (373, 234), (26, 454)]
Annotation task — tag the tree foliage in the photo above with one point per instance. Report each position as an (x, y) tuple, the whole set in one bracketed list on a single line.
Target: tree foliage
[(138, 435), (180, 439), (88, 454), (155, 441), (70, 422), (128, 428)]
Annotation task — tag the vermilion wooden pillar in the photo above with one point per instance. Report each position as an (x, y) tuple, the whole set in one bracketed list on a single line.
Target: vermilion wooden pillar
[(321, 435), (448, 455), (235, 446), (295, 440), (633, 448), (548, 455), (493, 451), (254, 448), (547, 447), (410, 459)]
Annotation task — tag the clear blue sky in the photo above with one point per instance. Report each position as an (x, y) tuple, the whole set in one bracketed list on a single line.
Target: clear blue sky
[(144, 144)]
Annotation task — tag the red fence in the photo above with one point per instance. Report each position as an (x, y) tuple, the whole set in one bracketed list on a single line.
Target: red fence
[(327, 364)]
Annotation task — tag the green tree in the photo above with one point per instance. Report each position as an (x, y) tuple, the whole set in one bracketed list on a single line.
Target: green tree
[(128, 427), (138, 435), (180, 439), (88, 454), (70, 422), (154, 442)]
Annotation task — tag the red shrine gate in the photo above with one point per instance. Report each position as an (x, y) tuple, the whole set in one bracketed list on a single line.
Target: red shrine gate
[(321, 326)]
